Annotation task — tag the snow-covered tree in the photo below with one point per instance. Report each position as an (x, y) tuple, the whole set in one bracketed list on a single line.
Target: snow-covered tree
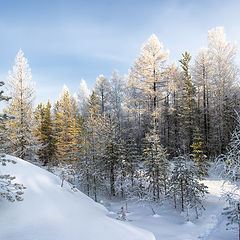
[(232, 211), (146, 80), (21, 139), (91, 150), (224, 73), (156, 165), (202, 80), (82, 98), (185, 187), (102, 92), (9, 190)]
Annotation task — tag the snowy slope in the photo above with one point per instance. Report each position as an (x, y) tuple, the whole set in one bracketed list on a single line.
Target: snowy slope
[(50, 212)]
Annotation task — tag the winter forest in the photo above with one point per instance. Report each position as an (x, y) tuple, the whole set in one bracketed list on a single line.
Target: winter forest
[(162, 137)]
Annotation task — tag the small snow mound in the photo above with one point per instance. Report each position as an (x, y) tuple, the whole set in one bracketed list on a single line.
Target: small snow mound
[(156, 216)]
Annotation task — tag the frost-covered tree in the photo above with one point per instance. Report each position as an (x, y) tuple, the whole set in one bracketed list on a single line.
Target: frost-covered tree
[(229, 163), (21, 139), (82, 98), (156, 165), (232, 211), (102, 92), (185, 188), (116, 97), (224, 73), (228, 166), (91, 150), (146, 80), (202, 80), (9, 190)]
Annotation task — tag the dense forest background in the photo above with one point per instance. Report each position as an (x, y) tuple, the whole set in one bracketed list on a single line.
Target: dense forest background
[(150, 135)]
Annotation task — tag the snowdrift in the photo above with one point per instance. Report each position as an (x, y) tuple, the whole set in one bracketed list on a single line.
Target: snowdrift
[(52, 212)]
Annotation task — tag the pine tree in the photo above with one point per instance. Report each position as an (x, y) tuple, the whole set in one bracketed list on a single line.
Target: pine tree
[(23, 143)]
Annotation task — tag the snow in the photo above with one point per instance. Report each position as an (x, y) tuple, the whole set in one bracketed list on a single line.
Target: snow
[(50, 212), (168, 224)]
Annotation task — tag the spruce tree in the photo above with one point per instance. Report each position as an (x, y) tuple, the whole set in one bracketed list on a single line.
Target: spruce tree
[(187, 103), (45, 132), (185, 188)]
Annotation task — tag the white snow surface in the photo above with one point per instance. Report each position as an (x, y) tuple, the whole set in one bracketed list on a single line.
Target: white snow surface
[(52, 212), (169, 224)]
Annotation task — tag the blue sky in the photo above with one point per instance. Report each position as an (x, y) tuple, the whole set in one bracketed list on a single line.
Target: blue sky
[(66, 41)]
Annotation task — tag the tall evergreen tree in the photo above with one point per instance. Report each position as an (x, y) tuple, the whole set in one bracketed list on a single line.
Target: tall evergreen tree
[(188, 104), (45, 132)]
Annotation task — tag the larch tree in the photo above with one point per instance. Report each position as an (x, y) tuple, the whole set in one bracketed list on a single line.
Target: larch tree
[(224, 73), (22, 142), (147, 79), (65, 128), (102, 92), (202, 80)]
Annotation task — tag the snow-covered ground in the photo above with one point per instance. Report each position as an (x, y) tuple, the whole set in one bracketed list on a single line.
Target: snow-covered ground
[(50, 212), (167, 224)]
